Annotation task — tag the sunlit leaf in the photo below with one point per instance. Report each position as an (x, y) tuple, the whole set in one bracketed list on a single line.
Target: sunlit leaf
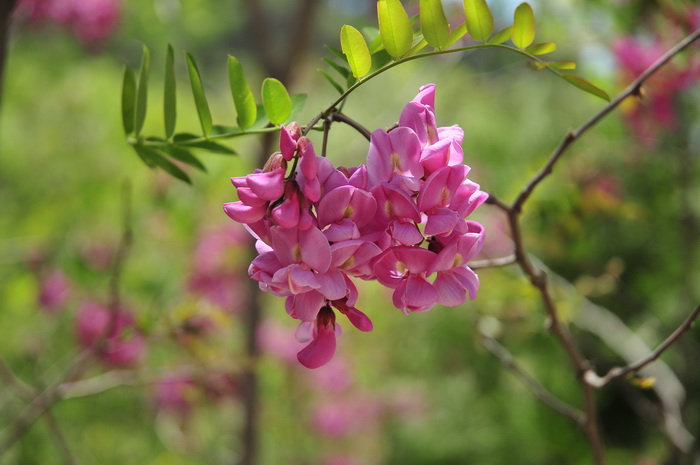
[(455, 35), (479, 19), (541, 48), (200, 99), (142, 92), (523, 26), (563, 64), (355, 48), (434, 23), (191, 140), (418, 44), (395, 27), (275, 99), (374, 39), (184, 156), (128, 101), (169, 97), (585, 85), (501, 36), (242, 95), (298, 102)]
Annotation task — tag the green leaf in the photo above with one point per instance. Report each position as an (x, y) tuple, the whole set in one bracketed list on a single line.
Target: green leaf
[(142, 92), (523, 26), (380, 59), (374, 39), (479, 19), (394, 27), (184, 156), (355, 48), (144, 155), (418, 44), (563, 64), (275, 99), (190, 140), (457, 34), (434, 23), (169, 96), (501, 36), (128, 101), (153, 158), (298, 102), (541, 48), (336, 52), (332, 81), (242, 95), (585, 85), (200, 99), (262, 121), (342, 70)]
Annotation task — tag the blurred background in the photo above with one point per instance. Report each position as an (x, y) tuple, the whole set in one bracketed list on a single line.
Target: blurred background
[(616, 227)]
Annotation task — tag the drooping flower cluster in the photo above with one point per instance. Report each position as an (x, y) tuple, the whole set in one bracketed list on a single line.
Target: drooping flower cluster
[(399, 219)]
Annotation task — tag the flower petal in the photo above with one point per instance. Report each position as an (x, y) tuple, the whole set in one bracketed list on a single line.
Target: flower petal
[(320, 350)]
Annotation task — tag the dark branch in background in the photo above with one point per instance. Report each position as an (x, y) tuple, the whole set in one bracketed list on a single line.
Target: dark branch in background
[(282, 67), (538, 277), (6, 8), (539, 391), (337, 116), (60, 440), (620, 372)]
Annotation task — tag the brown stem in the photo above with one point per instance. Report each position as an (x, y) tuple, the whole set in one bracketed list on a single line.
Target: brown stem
[(620, 372), (6, 8), (60, 439), (343, 118), (632, 89)]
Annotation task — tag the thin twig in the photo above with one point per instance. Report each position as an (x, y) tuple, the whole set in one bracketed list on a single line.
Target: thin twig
[(632, 89), (60, 439), (343, 118), (620, 372), (539, 391), (326, 130)]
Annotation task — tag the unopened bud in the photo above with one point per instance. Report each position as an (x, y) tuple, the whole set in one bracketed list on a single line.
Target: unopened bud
[(275, 161), (294, 130)]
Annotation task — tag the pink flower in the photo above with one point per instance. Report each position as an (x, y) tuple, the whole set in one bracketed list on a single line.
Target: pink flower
[(174, 392), (112, 335), (53, 291)]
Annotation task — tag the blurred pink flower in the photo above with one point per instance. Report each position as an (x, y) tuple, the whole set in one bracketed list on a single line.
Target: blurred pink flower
[(54, 289), (113, 336), (173, 392), (346, 416)]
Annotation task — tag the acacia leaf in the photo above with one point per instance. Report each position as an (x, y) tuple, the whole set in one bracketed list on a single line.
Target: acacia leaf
[(128, 101), (276, 101), (200, 99), (332, 81), (242, 95), (479, 19), (355, 49), (541, 48), (169, 95), (394, 27), (523, 26), (501, 36), (142, 91), (185, 156), (433, 22), (459, 32), (586, 86)]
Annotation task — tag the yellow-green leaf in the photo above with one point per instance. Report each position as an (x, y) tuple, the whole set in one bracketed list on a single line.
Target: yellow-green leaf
[(200, 99), (586, 86), (563, 64), (242, 95), (276, 101), (479, 19), (523, 26), (169, 95), (128, 101), (355, 49), (394, 27), (433, 22), (142, 92), (501, 36), (455, 35), (541, 48)]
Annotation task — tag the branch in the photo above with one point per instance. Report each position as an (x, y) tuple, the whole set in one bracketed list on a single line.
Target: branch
[(343, 118), (632, 89), (620, 372), (492, 262), (539, 391)]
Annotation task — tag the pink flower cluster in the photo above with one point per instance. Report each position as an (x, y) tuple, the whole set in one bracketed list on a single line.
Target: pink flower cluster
[(399, 219), (91, 21)]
